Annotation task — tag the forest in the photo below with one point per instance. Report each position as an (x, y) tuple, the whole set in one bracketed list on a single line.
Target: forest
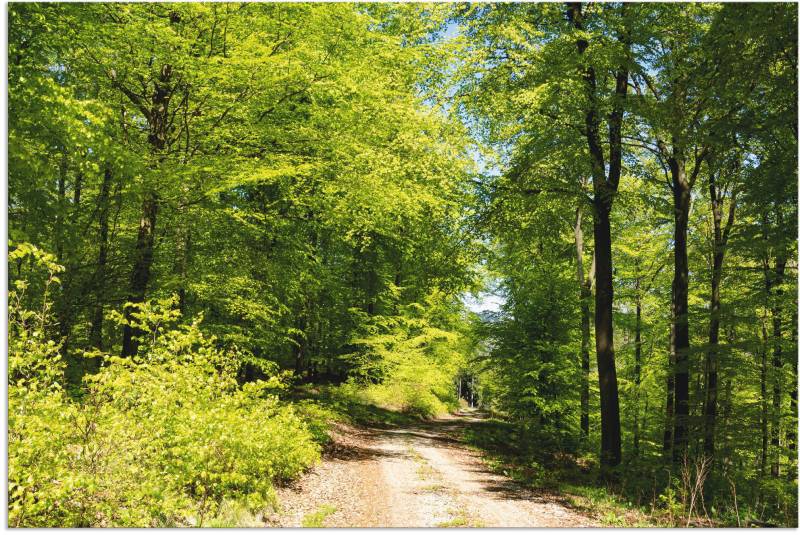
[(237, 229)]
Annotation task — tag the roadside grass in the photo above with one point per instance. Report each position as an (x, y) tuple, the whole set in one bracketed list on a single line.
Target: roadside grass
[(607, 507), (317, 518), (649, 495), (519, 456), (233, 514), (460, 520), (435, 488), (457, 522)]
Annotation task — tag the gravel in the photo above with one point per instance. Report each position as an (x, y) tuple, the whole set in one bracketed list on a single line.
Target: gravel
[(418, 476)]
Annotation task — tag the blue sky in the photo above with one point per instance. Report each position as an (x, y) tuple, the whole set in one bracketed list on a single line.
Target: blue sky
[(485, 301)]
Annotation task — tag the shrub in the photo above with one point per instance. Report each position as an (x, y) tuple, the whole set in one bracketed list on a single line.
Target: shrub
[(165, 438)]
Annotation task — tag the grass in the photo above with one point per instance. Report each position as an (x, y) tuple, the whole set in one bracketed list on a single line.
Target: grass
[(234, 515), (457, 522), (317, 518), (460, 520), (606, 506), (434, 487), (424, 469)]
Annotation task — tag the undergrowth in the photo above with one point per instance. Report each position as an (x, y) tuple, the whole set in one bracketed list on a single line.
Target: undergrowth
[(642, 498), (165, 438)]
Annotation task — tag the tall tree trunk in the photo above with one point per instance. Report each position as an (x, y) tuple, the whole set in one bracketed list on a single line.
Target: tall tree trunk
[(585, 285), (143, 257), (96, 329), (791, 432), (585, 365), (637, 365), (604, 189), (711, 366), (60, 233), (727, 408), (141, 269), (300, 340), (604, 342), (777, 364), (59, 222), (76, 193), (680, 305), (669, 409), (764, 402), (366, 274), (65, 303)]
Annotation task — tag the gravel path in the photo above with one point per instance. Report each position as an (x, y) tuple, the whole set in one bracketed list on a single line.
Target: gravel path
[(419, 476)]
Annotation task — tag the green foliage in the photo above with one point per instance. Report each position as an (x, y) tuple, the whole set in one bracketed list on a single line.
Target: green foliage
[(290, 200), (240, 167), (348, 402), (704, 84), (34, 361), (161, 439), (408, 361)]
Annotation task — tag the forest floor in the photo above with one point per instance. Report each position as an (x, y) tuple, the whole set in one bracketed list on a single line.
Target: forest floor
[(417, 475)]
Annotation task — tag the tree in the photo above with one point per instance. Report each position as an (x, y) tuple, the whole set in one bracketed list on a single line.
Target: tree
[(605, 187)]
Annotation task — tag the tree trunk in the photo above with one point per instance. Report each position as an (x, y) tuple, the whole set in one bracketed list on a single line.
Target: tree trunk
[(611, 454), (76, 193), (365, 274), (680, 306), (710, 406), (777, 364), (669, 410), (96, 330), (303, 362), (604, 189), (64, 311), (59, 222), (141, 269), (791, 433), (712, 365), (727, 408), (764, 403), (63, 321), (637, 366), (143, 258), (299, 359), (585, 285)]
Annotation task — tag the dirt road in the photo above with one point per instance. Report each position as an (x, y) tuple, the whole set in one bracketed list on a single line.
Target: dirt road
[(419, 476)]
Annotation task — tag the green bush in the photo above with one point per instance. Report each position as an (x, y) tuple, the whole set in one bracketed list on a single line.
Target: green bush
[(161, 439)]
